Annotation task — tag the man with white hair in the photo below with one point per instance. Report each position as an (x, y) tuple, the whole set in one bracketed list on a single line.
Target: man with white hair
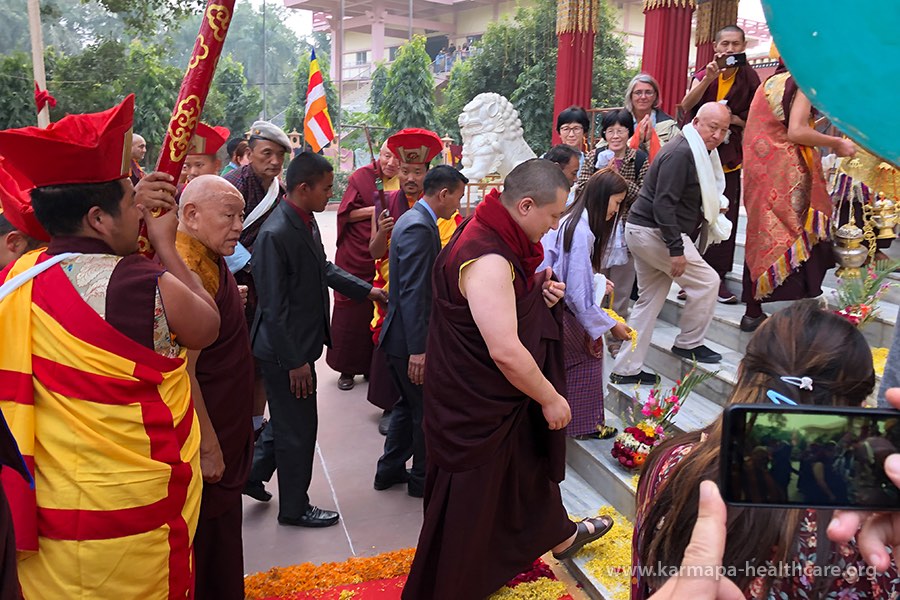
[(681, 198), (209, 227)]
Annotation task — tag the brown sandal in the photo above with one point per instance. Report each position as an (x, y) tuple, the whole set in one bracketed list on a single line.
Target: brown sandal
[(584, 536)]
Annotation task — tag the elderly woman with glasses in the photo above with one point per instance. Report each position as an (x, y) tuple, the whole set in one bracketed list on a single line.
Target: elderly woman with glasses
[(653, 127)]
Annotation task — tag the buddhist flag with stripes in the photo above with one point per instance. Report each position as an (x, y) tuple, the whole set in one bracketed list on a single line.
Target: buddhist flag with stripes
[(317, 129)]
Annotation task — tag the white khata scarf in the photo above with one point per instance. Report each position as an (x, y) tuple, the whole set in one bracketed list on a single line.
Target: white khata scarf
[(712, 188)]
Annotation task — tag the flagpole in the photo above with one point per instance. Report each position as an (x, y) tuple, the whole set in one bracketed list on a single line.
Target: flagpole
[(37, 57)]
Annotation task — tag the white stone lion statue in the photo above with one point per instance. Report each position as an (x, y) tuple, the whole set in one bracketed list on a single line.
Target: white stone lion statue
[(492, 137)]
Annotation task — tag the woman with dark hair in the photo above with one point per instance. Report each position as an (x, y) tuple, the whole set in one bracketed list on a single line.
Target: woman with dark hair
[(802, 341), (574, 252), (572, 126), (617, 127)]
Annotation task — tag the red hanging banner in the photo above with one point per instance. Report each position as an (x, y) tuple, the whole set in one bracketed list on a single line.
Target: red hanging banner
[(195, 86), (192, 96)]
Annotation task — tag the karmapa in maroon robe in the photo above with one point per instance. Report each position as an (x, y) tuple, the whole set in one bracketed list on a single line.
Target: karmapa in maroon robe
[(351, 339), (225, 373), (492, 499)]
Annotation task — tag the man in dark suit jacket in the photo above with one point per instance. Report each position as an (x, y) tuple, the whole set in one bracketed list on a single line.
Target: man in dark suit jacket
[(292, 324), (415, 244)]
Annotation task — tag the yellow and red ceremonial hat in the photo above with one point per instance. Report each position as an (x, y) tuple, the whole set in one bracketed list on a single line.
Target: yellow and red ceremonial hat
[(15, 202), (88, 148), (207, 139), (415, 146)]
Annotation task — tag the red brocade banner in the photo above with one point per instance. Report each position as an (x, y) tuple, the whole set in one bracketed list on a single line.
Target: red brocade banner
[(192, 96), (195, 86)]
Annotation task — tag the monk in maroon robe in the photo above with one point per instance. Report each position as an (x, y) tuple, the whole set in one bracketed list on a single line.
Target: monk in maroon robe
[(493, 416), (735, 86), (222, 386), (351, 350)]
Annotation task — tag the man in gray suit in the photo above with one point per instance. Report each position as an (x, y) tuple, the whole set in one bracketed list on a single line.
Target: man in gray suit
[(291, 327), (415, 244)]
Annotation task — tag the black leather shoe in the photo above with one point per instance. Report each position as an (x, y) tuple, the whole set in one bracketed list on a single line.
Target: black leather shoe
[(750, 324), (699, 353), (384, 422), (313, 517), (346, 382), (642, 378), (383, 483), (416, 490), (257, 491)]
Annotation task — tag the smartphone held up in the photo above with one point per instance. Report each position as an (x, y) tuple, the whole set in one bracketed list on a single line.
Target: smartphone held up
[(729, 61), (809, 457)]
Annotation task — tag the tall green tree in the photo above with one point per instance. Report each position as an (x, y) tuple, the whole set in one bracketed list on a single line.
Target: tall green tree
[(155, 86), (611, 71), (231, 102), (17, 100), (408, 99), (509, 48), (517, 59), (376, 92), (248, 30)]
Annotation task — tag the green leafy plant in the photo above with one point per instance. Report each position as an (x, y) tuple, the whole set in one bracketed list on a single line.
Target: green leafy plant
[(408, 99)]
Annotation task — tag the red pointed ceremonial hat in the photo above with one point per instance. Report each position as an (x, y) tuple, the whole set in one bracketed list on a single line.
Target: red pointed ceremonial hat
[(89, 148), (415, 146), (15, 202), (208, 140)]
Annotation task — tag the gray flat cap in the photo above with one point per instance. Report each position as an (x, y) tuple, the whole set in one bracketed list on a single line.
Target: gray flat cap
[(273, 133)]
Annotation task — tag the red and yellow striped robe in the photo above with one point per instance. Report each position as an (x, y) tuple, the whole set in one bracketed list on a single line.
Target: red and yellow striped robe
[(107, 427)]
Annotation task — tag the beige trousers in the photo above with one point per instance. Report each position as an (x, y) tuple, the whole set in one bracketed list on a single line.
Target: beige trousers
[(653, 267)]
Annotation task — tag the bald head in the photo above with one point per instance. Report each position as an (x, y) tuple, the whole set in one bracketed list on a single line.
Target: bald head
[(211, 211), (138, 147), (712, 123)]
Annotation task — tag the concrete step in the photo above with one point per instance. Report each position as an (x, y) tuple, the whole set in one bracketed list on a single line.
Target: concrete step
[(583, 500), (878, 333), (696, 413), (661, 360), (592, 462), (724, 328)]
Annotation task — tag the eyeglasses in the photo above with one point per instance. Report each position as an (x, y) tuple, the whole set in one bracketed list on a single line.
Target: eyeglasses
[(647, 93), (567, 129), (610, 133)]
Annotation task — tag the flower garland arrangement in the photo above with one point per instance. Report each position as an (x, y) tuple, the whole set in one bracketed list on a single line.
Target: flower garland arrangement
[(879, 360), (858, 297), (632, 446), (387, 571), (609, 558)]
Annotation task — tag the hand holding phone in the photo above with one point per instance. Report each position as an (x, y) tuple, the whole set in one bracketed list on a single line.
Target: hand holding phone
[(873, 532), (729, 61), (809, 457)]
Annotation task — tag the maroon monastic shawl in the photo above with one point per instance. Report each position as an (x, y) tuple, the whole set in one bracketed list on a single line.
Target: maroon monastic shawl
[(225, 374), (492, 498), (470, 406), (353, 238), (739, 98)]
